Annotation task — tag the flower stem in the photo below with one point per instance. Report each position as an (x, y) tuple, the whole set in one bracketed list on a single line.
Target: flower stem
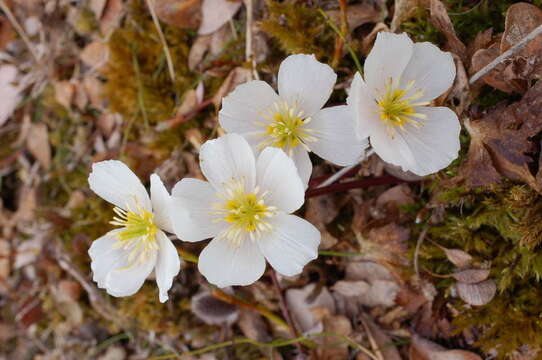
[(349, 185)]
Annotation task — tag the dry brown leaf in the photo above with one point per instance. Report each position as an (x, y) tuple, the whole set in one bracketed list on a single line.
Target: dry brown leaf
[(368, 41), (95, 55), (111, 16), (457, 257), (423, 349), (471, 276), (387, 243), (441, 20), (7, 34), (212, 310), (253, 326), (404, 9), (38, 145), (460, 94), (501, 143), (482, 40), (93, 87), (236, 77), (359, 14), (521, 19), (383, 343), (64, 93), (477, 294), (328, 348), (97, 7), (5, 266), (216, 13), (198, 50), (301, 303), (184, 14)]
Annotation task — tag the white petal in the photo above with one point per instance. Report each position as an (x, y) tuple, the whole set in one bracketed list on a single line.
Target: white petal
[(278, 176), (291, 244), (242, 109), (435, 144), (226, 158), (161, 202), (104, 257), (192, 203), (114, 182), (168, 265), (337, 141), (432, 70), (388, 59), (304, 79), (393, 150), (224, 264), (363, 106), (127, 280), (303, 163)]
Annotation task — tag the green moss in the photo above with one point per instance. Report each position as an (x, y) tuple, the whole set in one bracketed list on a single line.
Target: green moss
[(501, 226), (298, 29), (421, 29)]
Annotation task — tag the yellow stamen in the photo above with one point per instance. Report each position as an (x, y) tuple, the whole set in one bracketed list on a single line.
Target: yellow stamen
[(138, 233), (397, 109), (285, 127), (246, 212)]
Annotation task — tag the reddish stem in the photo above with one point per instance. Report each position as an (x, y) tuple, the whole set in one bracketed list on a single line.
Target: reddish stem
[(320, 179), (355, 184), (183, 118)]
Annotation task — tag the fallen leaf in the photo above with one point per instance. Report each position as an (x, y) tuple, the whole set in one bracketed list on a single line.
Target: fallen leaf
[(302, 301), (381, 342), (359, 14), (184, 14), (198, 50), (521, 19), (95, 55), (459, 95), (440, 19), (64, 93), (423, 349), (404, 9), (457, 257), (477, 294), (37, 143), (4, 261), (253, 326), (216, 13), (97, 7), (112, 14), (502, 143), (10, 94), (237, 76), (482, 40), (7, 34), (212, 310), (471, 276)]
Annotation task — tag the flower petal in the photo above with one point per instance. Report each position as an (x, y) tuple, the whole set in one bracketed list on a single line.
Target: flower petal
[(432, 69), (127, 280), (192, 204), (278, 176), (242, 109), (114, 182), (391, 149), (161, 202), (388, 59), (303, 163), (363, 106), (337, 141), (435, 144), (168, 265), (304, 79), (104, 257), (226, 158), (291, 244), (225, 264)]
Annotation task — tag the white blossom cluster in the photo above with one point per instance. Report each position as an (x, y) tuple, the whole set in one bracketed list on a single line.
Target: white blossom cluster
[(257, 174)]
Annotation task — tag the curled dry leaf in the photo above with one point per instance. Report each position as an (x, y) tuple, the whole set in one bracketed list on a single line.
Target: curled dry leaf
[(301, 303), (216, 13), (501, 143), (441, 20), (459, 95), (471, 276), (423, 349), (37, 143), (458, 257), (184, 14), (64, 93), (363, 13), (381, 343), (236, 77), (95, 55), (404, 9), (111, 16), (477, 294), (212, 310)]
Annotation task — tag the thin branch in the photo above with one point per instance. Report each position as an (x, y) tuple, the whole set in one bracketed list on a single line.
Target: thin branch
[(284, 309), (183, 118), (249, 52), (355, 184), (337, 176), (19, 29), (504, 56), (419, 243), (339, 41), (150, 4)]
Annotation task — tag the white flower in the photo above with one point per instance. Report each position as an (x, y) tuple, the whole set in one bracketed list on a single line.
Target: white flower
[(294, 119), (391, 105), (245, 207), (123, 258)]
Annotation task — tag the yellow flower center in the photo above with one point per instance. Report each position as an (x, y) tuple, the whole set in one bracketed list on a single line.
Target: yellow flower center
[(285, 127), (397, 107), (246, 212), (138, 233)]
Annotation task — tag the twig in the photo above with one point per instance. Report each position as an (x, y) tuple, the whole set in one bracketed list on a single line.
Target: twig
[(150, 4), (339, 41), (183, 118), (341, 35), (249, 54), (284, 309), (355, 184), (504, 56), (338, 175), (19, 29)]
